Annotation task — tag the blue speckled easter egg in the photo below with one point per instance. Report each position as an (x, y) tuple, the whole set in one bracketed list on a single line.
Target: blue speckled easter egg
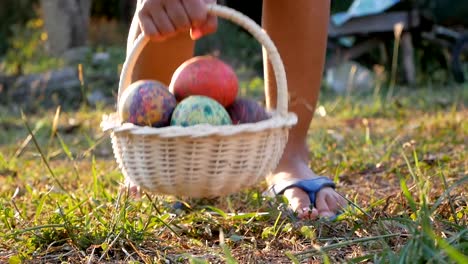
[(195, 110), (147, 103)]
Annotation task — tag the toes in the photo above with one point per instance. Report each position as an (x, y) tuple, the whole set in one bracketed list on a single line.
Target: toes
[(134, 192), (299, 202), (321, 203), (307, 213), (328, 203), (132, 189), (332, 203)]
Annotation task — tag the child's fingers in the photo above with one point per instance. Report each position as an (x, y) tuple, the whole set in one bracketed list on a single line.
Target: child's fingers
[(162, 19), (210, 26), (146, 23), (196, 10), (163, 25), (177, 14)]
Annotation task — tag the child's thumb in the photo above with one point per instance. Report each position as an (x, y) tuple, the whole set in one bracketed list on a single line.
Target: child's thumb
[(210, 26)]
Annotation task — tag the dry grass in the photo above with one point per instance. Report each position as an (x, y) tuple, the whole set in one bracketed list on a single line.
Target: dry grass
[(402, 163)]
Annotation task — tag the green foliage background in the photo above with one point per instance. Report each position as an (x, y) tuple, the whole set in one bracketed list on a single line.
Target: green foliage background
[(22, 48), (13, 12)]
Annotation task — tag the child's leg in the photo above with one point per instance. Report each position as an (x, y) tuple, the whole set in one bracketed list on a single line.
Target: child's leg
[(299, 30)]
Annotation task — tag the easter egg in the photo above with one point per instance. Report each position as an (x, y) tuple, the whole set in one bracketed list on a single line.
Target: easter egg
[(197, 109), (206, 76), (246, 110), (147, 103)]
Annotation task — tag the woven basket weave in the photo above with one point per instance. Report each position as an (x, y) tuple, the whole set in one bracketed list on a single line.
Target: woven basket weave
[(203, 160)]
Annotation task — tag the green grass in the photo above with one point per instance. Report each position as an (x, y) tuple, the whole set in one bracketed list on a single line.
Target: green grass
[(401, 162)]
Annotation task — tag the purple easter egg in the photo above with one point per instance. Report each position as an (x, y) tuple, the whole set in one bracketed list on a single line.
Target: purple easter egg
[(147, 103), (246, 110)]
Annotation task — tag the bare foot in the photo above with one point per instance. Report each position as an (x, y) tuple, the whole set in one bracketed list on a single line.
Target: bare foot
[(328, 201), (133, 189)]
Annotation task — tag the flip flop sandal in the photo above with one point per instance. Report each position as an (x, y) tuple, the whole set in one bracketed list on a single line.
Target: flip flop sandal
[(310, 186)]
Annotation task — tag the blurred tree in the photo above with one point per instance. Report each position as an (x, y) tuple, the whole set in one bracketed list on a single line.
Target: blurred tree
[(13, 12), (445, 12), (122, 10), (340, 5), (66, 23)]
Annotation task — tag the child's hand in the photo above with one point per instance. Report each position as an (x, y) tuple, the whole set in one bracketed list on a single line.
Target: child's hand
[(162, 19)]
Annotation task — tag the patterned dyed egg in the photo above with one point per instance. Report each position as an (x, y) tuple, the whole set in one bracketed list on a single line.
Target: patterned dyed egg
[(197, 109), (206, 76), (246, 110), (147, 103)]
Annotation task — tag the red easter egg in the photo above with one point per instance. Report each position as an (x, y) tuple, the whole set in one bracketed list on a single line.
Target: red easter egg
[(245, 110), (147, 103), (205, 76)]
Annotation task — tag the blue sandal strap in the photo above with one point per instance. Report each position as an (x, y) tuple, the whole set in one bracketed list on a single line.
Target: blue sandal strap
[(310, 186)]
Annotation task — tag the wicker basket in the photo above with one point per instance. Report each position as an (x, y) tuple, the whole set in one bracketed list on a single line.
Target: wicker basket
[(203, 160)]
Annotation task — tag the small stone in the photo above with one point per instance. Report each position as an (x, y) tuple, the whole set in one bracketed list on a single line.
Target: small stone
[(100, 58)]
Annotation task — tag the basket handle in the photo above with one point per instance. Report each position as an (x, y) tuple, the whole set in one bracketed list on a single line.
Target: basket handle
[(248, 24)]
